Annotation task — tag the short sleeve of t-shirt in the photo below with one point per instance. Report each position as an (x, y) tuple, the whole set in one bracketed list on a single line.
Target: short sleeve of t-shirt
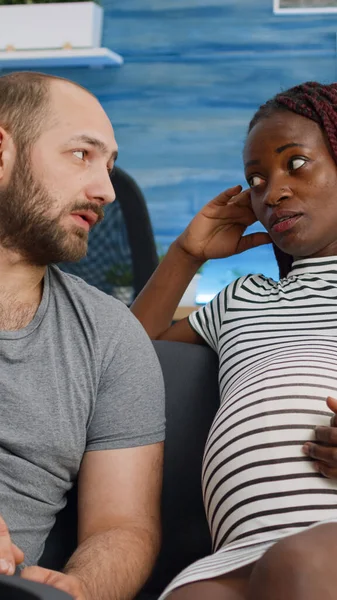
[(211, 320), (208, 319), (129, 409)]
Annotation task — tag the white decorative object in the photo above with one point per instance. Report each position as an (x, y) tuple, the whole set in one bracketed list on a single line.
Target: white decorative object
[(189, 296), (124, 293), (76, 57), (54, 25), (300, 7)]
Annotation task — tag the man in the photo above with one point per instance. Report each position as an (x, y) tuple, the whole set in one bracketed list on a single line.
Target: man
[(81, 392)]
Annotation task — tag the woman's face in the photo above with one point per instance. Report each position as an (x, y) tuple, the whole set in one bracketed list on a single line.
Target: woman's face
[(293, 181)]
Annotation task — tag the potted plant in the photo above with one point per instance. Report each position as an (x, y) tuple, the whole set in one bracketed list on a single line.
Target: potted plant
[(42, 24), (120, 276)]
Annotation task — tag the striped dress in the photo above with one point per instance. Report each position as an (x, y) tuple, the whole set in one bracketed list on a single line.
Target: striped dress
[(277, 346)]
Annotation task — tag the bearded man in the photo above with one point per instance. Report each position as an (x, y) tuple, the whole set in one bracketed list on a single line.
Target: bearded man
[(81, 391)]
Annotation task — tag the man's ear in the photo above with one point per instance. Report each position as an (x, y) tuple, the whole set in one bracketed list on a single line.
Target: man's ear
[(7, 155)]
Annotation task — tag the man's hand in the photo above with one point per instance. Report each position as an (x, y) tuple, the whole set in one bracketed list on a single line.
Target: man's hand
[(66, 583), (324, 452), (217, 231), (10, 554)]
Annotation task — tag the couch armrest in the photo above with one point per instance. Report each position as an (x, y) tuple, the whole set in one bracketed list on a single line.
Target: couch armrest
[(14, 588)]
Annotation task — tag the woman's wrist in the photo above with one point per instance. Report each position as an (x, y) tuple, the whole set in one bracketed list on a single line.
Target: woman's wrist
[(183, 257)]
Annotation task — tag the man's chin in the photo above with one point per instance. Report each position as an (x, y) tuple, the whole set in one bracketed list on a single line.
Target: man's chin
[(59, 256), (75, 249), (74, 255)]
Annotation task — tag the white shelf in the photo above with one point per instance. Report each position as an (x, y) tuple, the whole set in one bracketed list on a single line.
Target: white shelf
[(76, 57)]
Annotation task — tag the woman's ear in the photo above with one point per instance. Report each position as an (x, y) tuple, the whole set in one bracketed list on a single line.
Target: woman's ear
[(7, 155)]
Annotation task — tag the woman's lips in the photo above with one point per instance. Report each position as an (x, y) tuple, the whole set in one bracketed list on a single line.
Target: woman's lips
[(286, 224)]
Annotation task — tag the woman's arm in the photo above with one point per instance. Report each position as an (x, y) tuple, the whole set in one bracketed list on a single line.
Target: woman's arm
[(215, 232)]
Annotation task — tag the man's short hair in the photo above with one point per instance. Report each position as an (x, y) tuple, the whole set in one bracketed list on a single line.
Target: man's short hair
[(24, 105)]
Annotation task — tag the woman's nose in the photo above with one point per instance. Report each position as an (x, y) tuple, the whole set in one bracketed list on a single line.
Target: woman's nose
[(276, 193)]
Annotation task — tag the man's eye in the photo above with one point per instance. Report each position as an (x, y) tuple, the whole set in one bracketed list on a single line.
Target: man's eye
[(296, 163), (254, 181), (80, 154)]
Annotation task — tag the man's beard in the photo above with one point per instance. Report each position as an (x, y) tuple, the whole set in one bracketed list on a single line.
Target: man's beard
[(26, 228)]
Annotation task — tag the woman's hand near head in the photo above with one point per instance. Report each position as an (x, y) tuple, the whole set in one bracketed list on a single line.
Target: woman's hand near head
[(324, 449), (217, 231)]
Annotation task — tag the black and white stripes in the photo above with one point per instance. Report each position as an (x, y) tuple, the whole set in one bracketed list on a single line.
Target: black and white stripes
[(277, 344)]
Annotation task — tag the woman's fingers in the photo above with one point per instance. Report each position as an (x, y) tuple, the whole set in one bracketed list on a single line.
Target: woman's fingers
[(327, 435), (330, 472), (252, 240), (326, 454), (229, 196), (241, 199), (235, 208), (332, 404), (230, 193), (324, 449)]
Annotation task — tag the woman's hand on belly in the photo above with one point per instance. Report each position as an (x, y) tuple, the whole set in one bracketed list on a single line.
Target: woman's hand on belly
[(324, 450)]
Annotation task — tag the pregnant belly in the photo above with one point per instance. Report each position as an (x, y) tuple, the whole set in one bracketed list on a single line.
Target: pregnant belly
[(256, 479)]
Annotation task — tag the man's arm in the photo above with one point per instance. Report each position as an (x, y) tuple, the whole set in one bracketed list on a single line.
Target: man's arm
[(118, 528), (119, 520)]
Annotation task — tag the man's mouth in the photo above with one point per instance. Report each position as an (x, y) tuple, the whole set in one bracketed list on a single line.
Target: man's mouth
[(85, 218)]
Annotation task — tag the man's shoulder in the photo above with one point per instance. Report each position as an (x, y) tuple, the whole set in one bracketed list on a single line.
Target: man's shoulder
[(76, 285), (85, 298), (96, 315)]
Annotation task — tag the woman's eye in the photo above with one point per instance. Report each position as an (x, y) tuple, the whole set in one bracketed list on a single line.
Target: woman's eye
[(79, 154), (296, 163), (254, 181)]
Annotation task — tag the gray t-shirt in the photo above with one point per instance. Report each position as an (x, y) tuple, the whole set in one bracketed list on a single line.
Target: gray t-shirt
[(82, 376)]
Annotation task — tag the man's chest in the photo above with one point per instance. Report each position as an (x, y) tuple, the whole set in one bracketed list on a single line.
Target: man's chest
[(15, 318), (46, 404)]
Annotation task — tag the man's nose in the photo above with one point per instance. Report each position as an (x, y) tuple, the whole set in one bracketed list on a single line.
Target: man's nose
[(110, 194), (102, 189)]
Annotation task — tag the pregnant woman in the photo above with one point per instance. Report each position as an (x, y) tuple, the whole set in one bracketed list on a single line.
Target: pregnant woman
[(269, 468)]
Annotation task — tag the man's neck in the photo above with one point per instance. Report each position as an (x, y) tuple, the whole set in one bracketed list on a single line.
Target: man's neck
[(21, 287)]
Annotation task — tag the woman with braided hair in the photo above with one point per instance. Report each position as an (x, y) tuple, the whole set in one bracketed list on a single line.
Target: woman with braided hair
[(269, 472), (316, 102)]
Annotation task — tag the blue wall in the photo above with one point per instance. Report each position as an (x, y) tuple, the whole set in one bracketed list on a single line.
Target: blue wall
[(194, 73)]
